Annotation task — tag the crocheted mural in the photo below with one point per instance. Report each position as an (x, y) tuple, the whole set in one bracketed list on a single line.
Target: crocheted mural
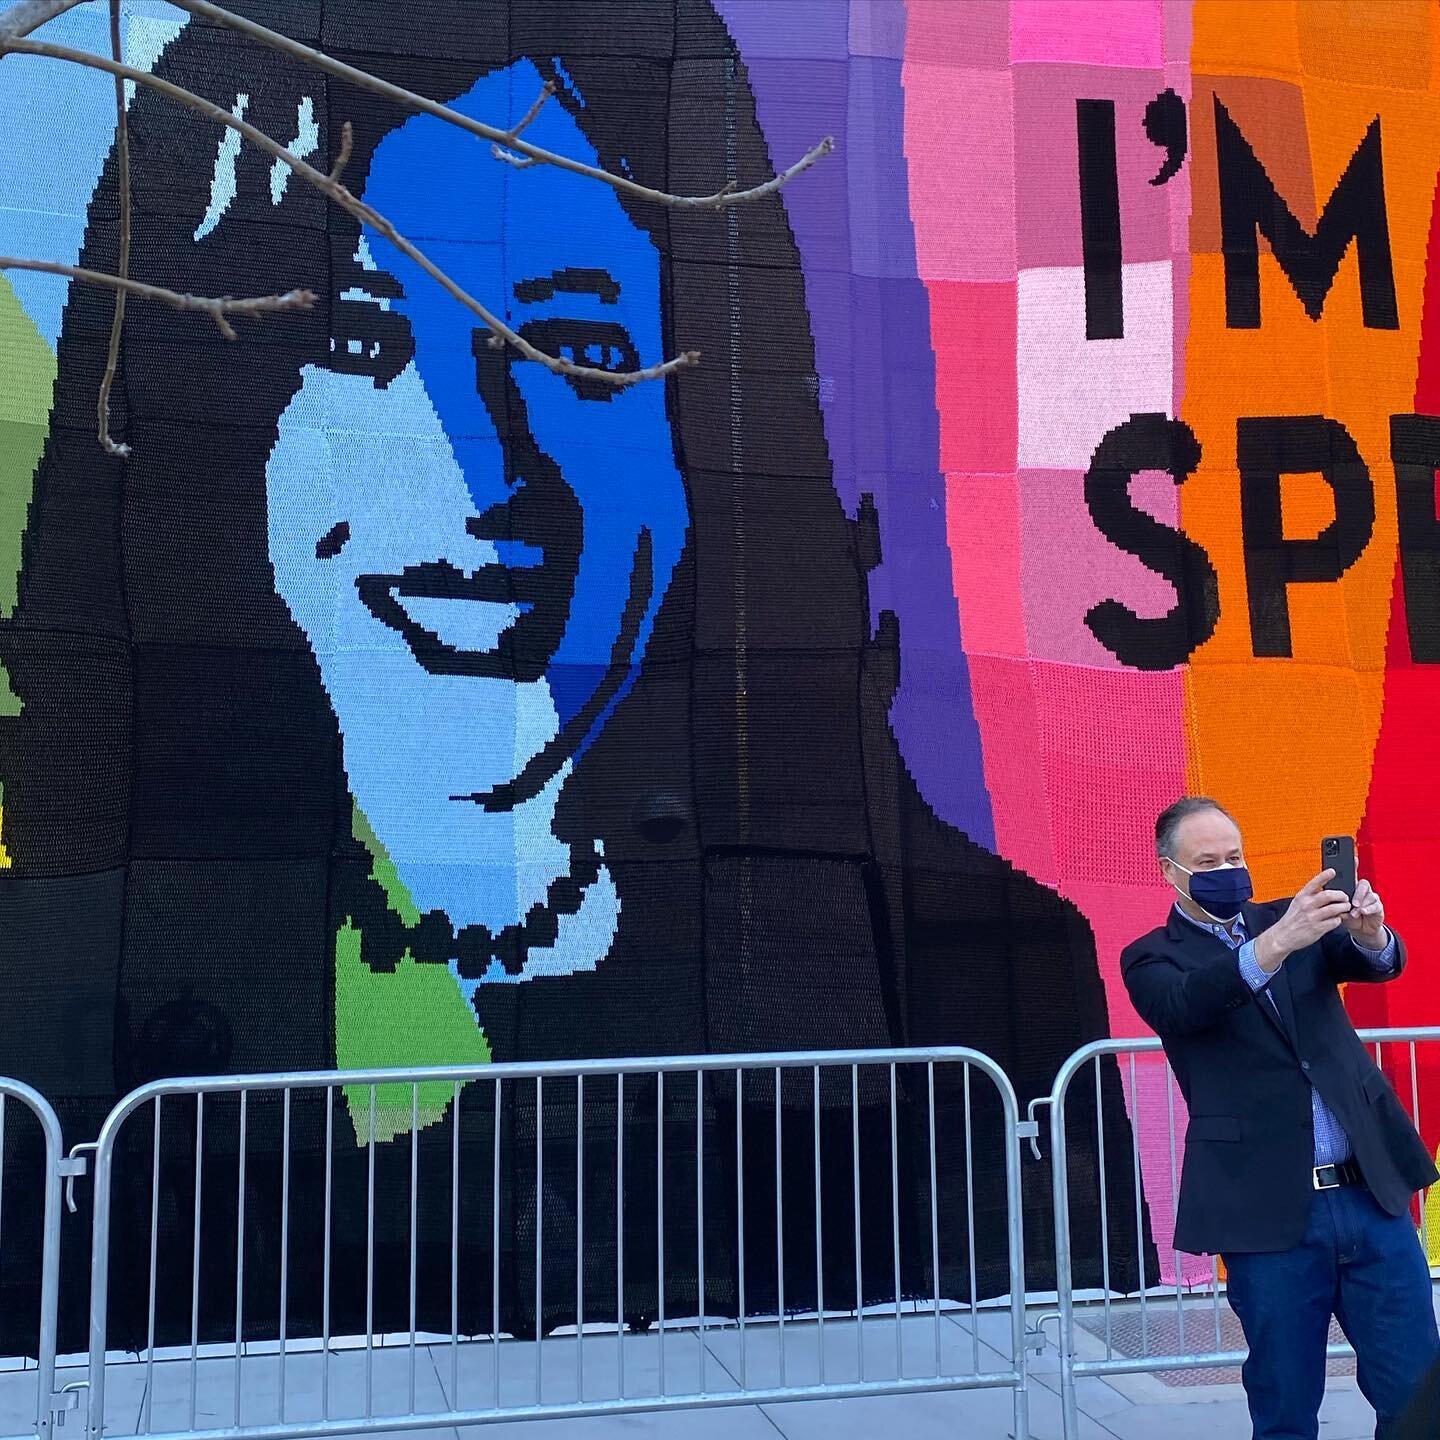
[(1060, 444)]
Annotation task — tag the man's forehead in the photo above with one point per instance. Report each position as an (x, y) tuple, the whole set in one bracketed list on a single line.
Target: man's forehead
[(1207, 830)]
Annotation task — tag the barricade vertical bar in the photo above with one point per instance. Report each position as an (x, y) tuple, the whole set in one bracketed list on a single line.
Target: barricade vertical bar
[(700, 1213), (154, 1250), (414, 1223), (970, 1224), (779, 1230), (49, 1253), (370, 1266), (660, 1218), (1064, 1264), (620, 1228), (855, 1184), (1015, 1218), (539, 1231), (1215, 1300), (284, 1237), (240, 1254), (325, 1257), (895, 1223), (819, 1228), (934, 1212), (455, 1246), (740, 1209), (1174, 1191), (40, 1403), (495, 1247), (1104, 1208), (1415, 1118), (195, 1263), (99, 1279), (579, 1237), (1139, 1204)]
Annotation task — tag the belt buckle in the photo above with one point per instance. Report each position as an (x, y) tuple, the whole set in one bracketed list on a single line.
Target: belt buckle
[(1334, 1172)]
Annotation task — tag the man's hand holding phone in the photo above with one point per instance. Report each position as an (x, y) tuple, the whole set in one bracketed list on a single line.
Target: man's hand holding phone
[(1366, 920), (1313, 913)]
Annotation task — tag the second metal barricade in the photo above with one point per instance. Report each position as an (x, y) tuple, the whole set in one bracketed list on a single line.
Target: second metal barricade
[(1177, 1319)]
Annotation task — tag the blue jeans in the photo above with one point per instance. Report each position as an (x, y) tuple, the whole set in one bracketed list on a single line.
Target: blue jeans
[(1367, 1269)]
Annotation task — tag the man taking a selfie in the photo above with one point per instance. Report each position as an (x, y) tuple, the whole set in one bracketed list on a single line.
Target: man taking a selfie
[(1300, 1162)]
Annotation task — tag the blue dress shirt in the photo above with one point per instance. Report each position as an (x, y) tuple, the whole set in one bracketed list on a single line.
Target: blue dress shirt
[(1332, 1144)]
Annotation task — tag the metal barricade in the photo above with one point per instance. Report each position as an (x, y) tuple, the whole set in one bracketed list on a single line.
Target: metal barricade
[(30, 1134), (297, 1255), (1180, 1323)]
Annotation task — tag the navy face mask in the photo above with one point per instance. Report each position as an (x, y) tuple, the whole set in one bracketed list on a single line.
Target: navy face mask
[(1219, 892)]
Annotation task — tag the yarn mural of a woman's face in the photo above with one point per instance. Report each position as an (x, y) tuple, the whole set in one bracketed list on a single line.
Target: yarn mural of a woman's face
[(479, 575), (399, 702)]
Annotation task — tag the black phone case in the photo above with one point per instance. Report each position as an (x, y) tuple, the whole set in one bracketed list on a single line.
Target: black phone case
[(1337, 853)]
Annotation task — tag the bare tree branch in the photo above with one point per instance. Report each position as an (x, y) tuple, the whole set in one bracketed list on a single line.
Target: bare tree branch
[(727, 196), (366, 214), (27, 15), (122, 155), (217, 307), (24, 16)]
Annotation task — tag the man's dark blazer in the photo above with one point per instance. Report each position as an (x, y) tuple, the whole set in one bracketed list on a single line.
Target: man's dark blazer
[(1246, 1073)]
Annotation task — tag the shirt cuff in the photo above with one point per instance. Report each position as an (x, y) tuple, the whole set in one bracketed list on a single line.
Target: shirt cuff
[(1383, 958), (1250, 969)]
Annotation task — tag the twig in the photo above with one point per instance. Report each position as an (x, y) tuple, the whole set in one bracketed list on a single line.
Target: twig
[(721, 199), (366, 214), (546, 91), (217, 307), (522, 162), (117, 321), (347, 144)]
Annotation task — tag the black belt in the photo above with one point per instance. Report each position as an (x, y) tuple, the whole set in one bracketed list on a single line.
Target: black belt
[(1332, 1177)]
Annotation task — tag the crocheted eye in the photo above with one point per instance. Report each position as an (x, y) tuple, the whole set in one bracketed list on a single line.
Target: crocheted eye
[(595, 344)]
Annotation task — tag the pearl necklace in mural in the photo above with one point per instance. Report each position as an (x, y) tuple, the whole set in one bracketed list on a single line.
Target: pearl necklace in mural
[(435, 941)]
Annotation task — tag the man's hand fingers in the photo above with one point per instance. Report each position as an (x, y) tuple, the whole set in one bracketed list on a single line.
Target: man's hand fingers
[(1363, 894), (1315, 886), (1327, 898)]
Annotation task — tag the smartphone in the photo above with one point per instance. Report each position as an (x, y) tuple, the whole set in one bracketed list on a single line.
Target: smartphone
[(1337, 853)]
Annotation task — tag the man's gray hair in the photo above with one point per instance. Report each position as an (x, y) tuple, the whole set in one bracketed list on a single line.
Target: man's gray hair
[(1167, 824)]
